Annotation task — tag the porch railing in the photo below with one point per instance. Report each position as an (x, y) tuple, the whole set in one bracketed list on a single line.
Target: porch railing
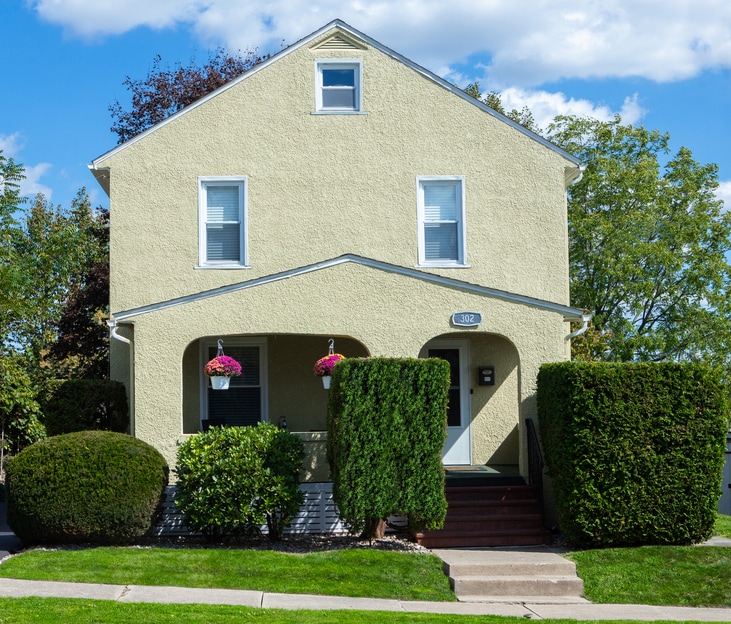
[(535, 460)]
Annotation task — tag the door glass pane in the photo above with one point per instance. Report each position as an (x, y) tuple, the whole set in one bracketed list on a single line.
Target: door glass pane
[(454, 407)]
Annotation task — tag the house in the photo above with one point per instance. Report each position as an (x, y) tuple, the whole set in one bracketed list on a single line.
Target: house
[(337, 190)]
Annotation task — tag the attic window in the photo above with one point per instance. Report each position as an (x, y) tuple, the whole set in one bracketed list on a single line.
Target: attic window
[(338, 86)]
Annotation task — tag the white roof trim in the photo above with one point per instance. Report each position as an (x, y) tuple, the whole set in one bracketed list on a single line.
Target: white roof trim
[(338, 24), (569, 313)]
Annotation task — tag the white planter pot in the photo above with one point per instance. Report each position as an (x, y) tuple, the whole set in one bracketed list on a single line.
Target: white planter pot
[(220, 383), (326, 382)]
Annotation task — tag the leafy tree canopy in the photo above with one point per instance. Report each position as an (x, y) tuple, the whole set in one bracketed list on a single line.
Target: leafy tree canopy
[(11, 174), (524, 116), (648, 240), (168, 90)]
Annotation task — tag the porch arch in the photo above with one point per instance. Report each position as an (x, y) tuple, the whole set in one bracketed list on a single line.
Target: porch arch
[(291, 391), (494, 410)]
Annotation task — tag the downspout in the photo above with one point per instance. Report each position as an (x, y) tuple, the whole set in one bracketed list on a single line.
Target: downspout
[(112, 323), (585, 318)]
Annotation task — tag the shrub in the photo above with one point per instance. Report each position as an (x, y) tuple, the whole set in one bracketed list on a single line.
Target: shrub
[(90, 486), (386, 430), (634, 451), (233, 480), (86, 404)]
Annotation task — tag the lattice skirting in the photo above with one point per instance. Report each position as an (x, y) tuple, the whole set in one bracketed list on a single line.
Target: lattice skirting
[(318, 513)]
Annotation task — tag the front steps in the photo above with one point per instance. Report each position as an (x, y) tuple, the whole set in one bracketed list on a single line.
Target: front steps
[(511, 575), (489, 515)]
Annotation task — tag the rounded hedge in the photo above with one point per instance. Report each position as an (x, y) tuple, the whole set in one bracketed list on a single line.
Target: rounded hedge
[(89, 486)]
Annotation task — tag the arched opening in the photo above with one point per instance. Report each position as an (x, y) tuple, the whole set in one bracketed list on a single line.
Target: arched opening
[(484, 414), (277, 384)]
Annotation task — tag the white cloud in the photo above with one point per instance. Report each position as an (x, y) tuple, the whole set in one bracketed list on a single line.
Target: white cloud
[(723, 192), (11, 145), (31, 185), (545, 106), (527, 43)]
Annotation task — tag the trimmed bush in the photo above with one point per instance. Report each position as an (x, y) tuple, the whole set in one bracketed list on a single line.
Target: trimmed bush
[(84, 405), (91, 486), (386, 430), (234, 480), (635, 451)]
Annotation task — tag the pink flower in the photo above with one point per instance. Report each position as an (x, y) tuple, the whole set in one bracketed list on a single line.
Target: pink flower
[(222, 366), (324, 366)]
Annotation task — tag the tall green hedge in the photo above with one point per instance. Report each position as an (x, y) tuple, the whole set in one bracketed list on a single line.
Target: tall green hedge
[(634, 451), (86, 404), (386, 430)]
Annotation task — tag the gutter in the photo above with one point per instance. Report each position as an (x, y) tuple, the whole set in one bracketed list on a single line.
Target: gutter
[(112, 323), (585, 318)]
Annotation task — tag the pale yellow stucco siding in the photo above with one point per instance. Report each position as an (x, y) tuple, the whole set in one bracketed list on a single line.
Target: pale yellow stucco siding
[(324, 185), (320, 186), (393, 315)]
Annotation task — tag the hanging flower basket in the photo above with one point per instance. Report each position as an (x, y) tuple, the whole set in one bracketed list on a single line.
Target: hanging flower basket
[(220, 369), (324, 367), (220, 383)]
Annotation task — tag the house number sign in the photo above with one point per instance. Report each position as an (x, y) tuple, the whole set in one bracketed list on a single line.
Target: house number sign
[(466, 319)]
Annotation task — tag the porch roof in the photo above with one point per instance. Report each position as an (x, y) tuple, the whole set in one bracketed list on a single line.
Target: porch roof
[(569, 313)]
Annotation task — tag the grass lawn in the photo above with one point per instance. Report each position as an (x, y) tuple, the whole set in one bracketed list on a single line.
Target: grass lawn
[(350, 572), (661, 575), (657, 575), (53, 610), (723, 526)]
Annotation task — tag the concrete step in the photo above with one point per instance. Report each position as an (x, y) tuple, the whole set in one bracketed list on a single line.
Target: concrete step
[(517, 586), (511, 574)]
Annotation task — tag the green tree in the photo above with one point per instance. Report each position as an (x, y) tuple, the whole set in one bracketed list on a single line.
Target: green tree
[(54, 249), (11, 174), (647, 241), (166, 91), (523, 116)]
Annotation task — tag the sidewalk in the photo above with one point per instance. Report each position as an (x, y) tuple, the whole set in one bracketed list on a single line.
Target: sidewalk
[(12, 588)]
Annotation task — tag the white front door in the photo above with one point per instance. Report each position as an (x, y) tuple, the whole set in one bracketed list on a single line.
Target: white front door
[(458, 447)]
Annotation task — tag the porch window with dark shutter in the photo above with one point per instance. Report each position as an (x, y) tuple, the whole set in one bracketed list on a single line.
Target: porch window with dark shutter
[(241, 404)]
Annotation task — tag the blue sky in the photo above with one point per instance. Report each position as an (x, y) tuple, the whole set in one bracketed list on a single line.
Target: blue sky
[(665, 64)]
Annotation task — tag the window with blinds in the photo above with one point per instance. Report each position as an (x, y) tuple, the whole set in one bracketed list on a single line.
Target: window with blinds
[(222, 230), (441, 221), (241, 404)]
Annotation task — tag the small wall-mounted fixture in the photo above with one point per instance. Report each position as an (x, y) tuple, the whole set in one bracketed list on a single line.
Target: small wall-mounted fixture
[(485, 375)]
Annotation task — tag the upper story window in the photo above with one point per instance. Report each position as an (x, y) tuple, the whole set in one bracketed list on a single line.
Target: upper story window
[(441, 221), (222, 222), (338, 86)]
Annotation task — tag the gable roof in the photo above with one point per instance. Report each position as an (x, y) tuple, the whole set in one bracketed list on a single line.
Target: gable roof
[(347, 36), (569, 313)]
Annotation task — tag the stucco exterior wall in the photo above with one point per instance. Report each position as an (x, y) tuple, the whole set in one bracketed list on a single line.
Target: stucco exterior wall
[(402, 315), (320, 186)]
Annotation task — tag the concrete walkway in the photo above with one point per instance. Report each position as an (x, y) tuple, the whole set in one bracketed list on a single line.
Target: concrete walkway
[(13, 588), (535, 609)]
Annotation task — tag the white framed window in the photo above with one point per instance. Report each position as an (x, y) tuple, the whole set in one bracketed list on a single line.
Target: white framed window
[(441, 217), (339, 85), (222, 222), (245, 401)]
